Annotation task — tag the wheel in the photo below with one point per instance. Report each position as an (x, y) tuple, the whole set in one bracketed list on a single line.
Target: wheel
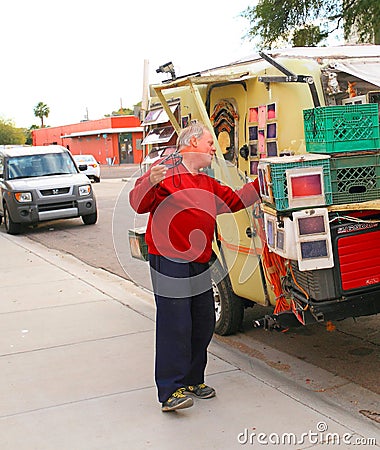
[(229, 308), (10, 226), (97, 179), (90, 219)]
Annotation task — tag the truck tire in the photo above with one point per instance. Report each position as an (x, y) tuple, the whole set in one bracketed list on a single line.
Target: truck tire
[(10, 226), (90, 219), (229, 308)]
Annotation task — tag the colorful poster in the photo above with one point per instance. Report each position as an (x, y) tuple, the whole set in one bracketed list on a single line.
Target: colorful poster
[(253, 133), (253, 149), (253, 114), (262, 116), (262, 149), (271, 130), (271, 111), (272, 148), (253, 167)]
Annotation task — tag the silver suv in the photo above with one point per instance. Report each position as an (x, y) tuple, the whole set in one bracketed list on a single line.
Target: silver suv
[(42, 183)]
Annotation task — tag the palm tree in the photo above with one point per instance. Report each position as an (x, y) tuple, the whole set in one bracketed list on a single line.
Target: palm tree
[(41, 110)]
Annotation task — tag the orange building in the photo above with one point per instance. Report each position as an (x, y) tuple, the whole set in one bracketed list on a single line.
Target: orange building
[(112, 140)]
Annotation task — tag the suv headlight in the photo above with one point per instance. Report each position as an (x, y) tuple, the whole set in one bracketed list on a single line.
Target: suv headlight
[(23, 197), (85, 190)]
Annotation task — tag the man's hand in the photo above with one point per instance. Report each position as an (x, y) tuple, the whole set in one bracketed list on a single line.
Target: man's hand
[(157, 174)]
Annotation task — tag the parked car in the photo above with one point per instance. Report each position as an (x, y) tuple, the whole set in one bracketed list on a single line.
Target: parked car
[(42, 183), (93, 167)]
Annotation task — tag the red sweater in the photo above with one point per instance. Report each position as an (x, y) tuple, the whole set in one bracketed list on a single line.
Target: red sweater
[(183, 210)]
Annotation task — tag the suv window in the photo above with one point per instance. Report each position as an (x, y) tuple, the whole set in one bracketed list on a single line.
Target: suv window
[(39, 165)]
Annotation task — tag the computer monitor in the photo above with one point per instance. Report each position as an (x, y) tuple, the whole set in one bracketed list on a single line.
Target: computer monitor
[(263, 172), (270, 230), (305, 187), (280, 235), (313, 239)]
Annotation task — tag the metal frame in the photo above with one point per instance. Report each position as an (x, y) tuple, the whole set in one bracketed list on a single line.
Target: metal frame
[(192, 83), (289, 77)]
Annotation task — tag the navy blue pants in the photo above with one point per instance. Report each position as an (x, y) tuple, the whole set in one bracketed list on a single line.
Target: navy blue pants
[(185, 322)]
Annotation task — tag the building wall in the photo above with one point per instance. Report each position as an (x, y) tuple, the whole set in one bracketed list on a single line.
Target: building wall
[(104, 146)]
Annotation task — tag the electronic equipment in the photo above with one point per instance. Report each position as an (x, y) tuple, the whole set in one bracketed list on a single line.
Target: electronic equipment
[(313, 239), (280, 235), (305, 187), (295, 182), (356, 246)]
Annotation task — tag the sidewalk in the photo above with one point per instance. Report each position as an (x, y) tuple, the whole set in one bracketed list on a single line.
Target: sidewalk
[(76, 365)]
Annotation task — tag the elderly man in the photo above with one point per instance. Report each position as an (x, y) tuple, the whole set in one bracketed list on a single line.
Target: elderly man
[(183, 204)]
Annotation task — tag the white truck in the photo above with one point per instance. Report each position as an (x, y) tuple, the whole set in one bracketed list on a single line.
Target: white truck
[(305, 121)]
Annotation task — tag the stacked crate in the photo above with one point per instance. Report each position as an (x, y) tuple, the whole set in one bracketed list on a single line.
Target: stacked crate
[(296, 191), (275, 172), (350, 135)]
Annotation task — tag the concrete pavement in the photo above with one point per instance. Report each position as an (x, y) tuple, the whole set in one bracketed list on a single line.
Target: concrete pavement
[(76, 373)]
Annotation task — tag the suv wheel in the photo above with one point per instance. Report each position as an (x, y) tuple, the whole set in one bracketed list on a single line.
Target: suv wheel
[(90, 219), (10, 226)]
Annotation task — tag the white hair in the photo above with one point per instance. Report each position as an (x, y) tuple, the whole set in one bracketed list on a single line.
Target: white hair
[(195, 129)]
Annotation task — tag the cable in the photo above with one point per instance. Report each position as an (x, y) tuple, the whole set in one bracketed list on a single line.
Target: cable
[(296, 283), (172, 160), (354, 219), (275, 269)]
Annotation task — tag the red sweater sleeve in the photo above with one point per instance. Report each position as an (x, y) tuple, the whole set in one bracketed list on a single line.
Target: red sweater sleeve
[(229, 200), (142, 197)]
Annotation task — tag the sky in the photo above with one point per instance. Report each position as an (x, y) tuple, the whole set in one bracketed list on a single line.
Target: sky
[(84, 57)]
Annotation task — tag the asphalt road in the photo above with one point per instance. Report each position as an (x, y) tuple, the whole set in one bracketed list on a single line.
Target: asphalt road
[(351, 350)]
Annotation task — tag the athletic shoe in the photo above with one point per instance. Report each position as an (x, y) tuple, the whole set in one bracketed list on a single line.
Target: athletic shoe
[(200, 391), (178, 400)]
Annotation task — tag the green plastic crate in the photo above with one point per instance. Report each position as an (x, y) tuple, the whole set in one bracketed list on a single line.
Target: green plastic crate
[(334, 129), (279, 185), (355, 178)]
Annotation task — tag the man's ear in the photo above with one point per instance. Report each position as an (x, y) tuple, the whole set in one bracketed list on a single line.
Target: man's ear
[(193, 141)]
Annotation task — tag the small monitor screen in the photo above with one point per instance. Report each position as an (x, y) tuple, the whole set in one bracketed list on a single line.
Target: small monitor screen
[(253, 114), (272, 148), (262, 183), (311, 225), (270, 233), (253, 133), (306, 185), (271, 111), (253, 167), (314, 249), (253, 149), (271, 130), (280, 240)]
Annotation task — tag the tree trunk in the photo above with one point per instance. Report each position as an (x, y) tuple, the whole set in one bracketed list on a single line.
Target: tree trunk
[(376, 34)]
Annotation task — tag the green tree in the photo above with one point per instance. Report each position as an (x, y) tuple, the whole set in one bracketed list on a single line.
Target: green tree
[(9, 134), (309, 23), (41, 110), (120, 112), (28, 134)]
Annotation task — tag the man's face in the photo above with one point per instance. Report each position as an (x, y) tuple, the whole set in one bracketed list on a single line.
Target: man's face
[(204, 149)]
